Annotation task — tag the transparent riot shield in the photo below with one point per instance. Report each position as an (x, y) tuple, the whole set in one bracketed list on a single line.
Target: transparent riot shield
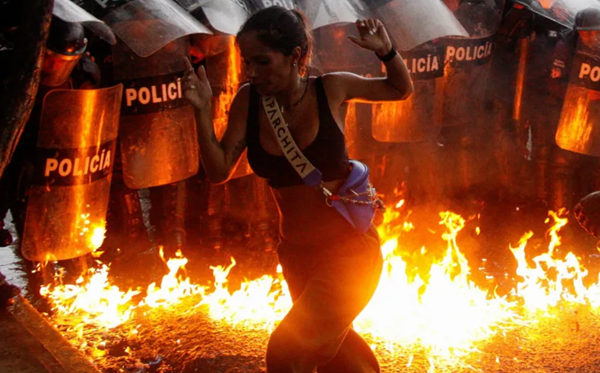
[(158, 137), (334, 52), (467, 62), (412, 23), (419, 117), (465, 76), (224, 72), (226, 16), (68, 198), (70, 12), (255, 5), (579, 125), (330, 12), (562, 12), (146, 26)]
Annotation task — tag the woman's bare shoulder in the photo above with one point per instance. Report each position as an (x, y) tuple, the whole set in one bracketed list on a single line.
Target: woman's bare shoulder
[(242, 97), (337, 83)]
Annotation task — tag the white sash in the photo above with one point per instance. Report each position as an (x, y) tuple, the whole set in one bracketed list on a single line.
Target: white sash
[(288, 146)]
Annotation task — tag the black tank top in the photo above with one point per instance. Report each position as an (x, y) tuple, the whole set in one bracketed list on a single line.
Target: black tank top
[(327, 152)]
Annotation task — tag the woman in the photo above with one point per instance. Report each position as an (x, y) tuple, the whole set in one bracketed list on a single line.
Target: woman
[(332, 270)]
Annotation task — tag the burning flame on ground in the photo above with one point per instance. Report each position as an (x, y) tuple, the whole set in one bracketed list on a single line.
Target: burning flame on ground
[(446, 313), (407, 311)]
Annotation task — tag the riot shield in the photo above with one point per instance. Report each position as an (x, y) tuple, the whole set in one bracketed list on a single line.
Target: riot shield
[(146, 26), (562, 12), (224, 72), (68, 198), (419, 117), (334, 52), (467, 62), (579, 125), (412, 23), (158, 137), (226, 16), (255, 5), (330, 12), (70, 12)]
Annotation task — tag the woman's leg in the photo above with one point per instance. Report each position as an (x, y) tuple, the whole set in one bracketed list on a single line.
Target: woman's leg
[(354, 356), (317, 328)]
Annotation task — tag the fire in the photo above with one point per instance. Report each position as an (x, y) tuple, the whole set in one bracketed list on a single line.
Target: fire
[(174, 286), (439, 309), (255, 304), (94, 300), (408, 311), (551, 280)]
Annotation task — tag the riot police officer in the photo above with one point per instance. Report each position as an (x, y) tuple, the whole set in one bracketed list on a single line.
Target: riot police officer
[(64, 51)]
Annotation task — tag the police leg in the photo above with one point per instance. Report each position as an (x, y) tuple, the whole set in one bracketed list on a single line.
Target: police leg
[(265, 223), (5, 201), (562, 176), (541, 148), (198, 190), (508, 151), (126, 233), (7, 292), (168, 216), (237, 198), (215, 216), (426, 164)]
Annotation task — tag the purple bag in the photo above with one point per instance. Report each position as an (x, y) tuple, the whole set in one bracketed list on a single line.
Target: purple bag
[(356, 199)]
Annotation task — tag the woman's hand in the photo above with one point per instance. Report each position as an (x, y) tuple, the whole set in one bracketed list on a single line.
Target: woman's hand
[(373, 36), (196, 88)]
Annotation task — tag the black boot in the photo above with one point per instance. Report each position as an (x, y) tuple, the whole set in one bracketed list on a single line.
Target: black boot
[(126, 232), (7, 292), (168, 216), (5, 236)]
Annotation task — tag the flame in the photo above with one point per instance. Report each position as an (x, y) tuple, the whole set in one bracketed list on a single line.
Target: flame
[(551, 280), (439, 309), (408, 311), (93, 300), (174, 286), (254, 304)]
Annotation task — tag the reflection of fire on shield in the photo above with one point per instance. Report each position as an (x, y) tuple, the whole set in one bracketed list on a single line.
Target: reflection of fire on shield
[(417, 118), (158, 137), (579, 126), (467, 62), (224, 72), (466, 71), (68, 198)]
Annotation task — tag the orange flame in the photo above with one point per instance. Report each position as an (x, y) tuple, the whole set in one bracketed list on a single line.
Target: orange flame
[(444, 312), (544, 284)]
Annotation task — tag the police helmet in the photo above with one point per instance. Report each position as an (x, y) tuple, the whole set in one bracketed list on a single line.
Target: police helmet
[(588, 19), (66, 43)]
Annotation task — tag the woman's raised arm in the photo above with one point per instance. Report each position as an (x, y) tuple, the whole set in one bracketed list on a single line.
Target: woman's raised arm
[(397, 85), (219, 158)]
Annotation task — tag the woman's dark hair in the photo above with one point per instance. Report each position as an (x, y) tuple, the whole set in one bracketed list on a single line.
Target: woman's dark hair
[(282, 30)]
